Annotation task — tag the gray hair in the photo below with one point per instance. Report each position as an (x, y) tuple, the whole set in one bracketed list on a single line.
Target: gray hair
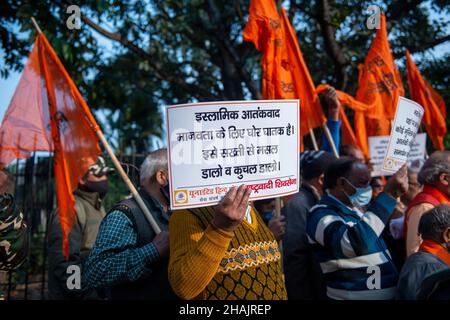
[(156, 160), (415, 166), (437, 163), (434, 222)]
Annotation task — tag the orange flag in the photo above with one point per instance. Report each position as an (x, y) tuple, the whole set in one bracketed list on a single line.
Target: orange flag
[(49, 110), (435, 110), (285, 75), (379, 87)]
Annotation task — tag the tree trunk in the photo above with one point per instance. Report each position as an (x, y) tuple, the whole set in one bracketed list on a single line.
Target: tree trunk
[(331, 46)]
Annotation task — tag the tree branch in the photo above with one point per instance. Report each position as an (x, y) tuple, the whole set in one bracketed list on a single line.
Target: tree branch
[(331, 46), (157, 66), (399, 8), (226, 47), (425, 46)]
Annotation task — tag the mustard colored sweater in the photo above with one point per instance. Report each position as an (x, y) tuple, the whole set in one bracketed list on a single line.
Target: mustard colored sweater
[(209, 263)]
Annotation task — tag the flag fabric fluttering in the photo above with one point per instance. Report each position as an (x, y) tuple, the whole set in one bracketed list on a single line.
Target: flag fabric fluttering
[(379, 87), (26, 125), (48, 113), (433, 104), (285, 75), (348, 134)]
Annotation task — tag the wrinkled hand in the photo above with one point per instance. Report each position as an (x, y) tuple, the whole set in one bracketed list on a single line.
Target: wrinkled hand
[(399, 211), (161, 242), (278, 227), (333, 103), (397, 185), (231, 210)]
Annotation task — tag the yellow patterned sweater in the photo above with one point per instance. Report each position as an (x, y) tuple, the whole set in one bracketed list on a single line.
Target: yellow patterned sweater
[(209, 263)]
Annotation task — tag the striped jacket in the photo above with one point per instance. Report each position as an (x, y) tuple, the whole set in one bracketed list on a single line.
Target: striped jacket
[(354, 259)]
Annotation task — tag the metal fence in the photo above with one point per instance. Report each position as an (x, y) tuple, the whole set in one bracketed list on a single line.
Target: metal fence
[(35, 197)]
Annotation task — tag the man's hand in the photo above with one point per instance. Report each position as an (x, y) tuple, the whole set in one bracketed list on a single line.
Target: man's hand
[(278, 227), (397, 185), (231, 210), (333, 103), (161, 242)]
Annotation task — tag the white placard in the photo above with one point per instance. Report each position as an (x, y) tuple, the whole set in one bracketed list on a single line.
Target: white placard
[(217, 145), (378, 146), (404, 130)]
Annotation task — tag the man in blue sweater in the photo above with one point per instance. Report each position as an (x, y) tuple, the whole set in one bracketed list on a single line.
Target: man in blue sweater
[(353, 257)]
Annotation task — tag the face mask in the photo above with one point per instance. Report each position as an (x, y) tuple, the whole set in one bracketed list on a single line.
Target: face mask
[(166, 192), (361, 197), (97, 186)]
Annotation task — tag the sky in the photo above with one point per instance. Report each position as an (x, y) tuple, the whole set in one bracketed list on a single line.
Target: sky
[(7, 87)]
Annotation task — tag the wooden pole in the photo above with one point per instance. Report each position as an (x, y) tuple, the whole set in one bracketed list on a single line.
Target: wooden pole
[(120, 170), (313, 139), (36, 25), (280, 243), (277, 207), (330, 140), (129, 184)]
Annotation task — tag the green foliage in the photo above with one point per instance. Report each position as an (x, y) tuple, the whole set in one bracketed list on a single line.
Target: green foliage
[(159, 53)]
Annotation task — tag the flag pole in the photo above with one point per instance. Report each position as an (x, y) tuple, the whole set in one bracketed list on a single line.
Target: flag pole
[(330, 140), (280, 243), (120, 170), (128, 182), (313, 139), (36, 25)]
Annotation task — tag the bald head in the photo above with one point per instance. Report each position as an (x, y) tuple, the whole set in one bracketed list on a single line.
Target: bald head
[(348, 150)]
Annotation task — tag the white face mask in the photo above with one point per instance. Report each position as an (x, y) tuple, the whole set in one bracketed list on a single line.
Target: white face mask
[(361, 197)]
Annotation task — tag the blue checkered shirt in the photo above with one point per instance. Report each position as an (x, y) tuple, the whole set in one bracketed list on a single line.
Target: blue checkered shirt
[(115, 258)]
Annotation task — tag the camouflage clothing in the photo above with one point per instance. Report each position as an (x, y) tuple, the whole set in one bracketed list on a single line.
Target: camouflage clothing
[(13, 235)]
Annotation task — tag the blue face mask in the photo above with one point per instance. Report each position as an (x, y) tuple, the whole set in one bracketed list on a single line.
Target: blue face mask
[(361, 197)]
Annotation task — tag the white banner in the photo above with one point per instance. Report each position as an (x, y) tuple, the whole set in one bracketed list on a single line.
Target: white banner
[(378, 146), (404, 130), (217, 145)]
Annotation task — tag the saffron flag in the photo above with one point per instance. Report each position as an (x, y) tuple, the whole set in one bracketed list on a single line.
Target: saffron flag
[(26, 123), (433, 104), (285, 75), (48, 113), (379, 87)]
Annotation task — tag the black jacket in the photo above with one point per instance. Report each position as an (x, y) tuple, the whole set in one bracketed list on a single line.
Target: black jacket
[(302, 274), (417, 267), (436, 286)]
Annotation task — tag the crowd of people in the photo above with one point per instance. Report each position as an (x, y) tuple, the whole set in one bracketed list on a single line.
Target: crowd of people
[(344, 235)]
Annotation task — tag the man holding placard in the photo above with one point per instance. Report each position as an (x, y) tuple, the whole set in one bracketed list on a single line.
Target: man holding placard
[(221, 155), (224, 252), (346, 237), (404, 130)]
